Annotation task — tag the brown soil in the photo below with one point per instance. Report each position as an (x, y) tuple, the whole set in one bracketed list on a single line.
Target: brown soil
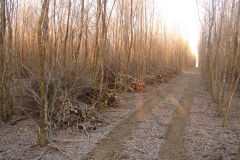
[(106, 149), (174, 120), (173, 148)]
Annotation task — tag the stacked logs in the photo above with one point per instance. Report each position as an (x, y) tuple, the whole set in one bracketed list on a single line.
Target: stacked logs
[(132, 85), (108, 99), (135, 86), (161, 77)]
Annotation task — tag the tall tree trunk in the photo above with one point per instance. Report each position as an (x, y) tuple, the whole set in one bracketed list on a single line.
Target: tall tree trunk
[(130, 43), (96, 49), (10, 68), (209, 48), (238, 153), (2, 34), (42, 37), (103, 45), (66, 35), (55, 37), (79, 40), (86, 41)]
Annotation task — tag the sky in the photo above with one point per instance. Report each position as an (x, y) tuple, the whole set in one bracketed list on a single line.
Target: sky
[(182, 14)]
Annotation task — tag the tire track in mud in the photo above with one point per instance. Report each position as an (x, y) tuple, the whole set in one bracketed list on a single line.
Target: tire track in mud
[(106, 148), (147, 139), (173, 147)]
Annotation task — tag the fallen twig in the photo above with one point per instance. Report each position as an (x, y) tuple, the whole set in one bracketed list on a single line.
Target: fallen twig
[(58, 148)]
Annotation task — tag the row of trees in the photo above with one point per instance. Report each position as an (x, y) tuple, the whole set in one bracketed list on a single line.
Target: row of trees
[(76, 39), (219, 51)]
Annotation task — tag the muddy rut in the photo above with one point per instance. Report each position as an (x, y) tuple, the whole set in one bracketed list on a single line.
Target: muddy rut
[(112, 147)]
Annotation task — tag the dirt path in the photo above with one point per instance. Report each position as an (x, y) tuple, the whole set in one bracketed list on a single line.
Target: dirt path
[(174, 148), (112, 147), (107, 147)]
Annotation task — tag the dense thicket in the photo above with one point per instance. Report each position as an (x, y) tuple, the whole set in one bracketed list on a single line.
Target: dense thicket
[(219, 50), (63, 45)]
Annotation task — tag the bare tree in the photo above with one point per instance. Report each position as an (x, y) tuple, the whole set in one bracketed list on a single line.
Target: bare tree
[(66, 35), (42, 39), (79, 39), (2, 71), (102, 47)]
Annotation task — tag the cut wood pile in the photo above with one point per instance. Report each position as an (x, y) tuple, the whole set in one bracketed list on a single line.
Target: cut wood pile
[(135, 85), (161, 77), (122, 82), (79, 109), (132, 84)]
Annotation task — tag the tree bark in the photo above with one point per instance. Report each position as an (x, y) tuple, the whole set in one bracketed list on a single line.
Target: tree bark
[(96, 49), (103, 45), (66, 35), (238, 153), (86, 42), (2, 34), (79, 39), (130, 43), (42, 35)]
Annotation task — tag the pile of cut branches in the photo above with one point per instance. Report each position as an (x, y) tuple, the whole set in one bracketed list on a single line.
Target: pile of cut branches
[(131, 85), (122, 82), (72, 102), (68, 102), (135, 85), (161, 77), (78, 108)]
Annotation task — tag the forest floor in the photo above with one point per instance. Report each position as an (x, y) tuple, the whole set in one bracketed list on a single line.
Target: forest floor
[(174, 120)]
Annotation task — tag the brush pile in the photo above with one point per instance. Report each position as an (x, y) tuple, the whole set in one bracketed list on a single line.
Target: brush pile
[(69, 103), (79, 108)]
